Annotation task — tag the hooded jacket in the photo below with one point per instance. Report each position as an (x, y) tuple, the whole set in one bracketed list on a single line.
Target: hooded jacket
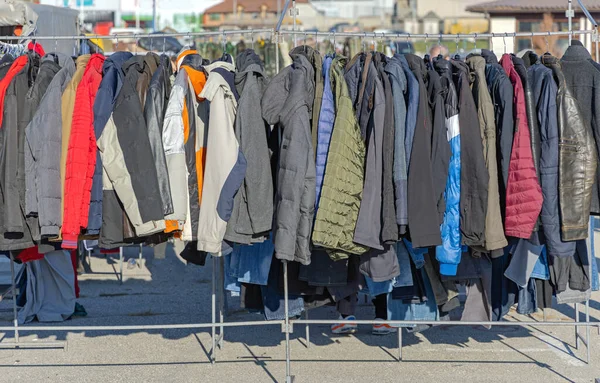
[(474, 176), (81, 155), (423, 218), (582, 77), (106, 214), (344, 176), (502, 93), (314, 57), (523, 193), (287, 103), (5, 63), (578, 162), (151, 63), (225, 163), (154, 113), (368, 96), (325, 127), (449, 253), (48, 68), (127, 157), (184, 141), (253, 204), (494, 230), (44, 139), (16, 232), (399, 86)]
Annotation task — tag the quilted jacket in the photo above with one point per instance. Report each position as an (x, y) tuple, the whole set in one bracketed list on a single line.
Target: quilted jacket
[(344, 176), (81, 155), (523, 193), (325, 127)]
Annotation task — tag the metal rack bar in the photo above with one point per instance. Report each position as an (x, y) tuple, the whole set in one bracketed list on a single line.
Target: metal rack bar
[(439, 36)]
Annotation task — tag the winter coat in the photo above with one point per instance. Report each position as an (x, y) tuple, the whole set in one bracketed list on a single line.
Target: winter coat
[(474, 177), (253, 204), (154, 114), (582, 76), (151, 63), (225, 162), (523, 194), (546, 90), (398, 82), (449, 253), (423, 219), (17, 231), (44, 139), (287, 103), (578, 161), (389, 227), (502, 93), (106, 214), (81, 155), (494, 230), (368, 96), (412, 106), (314, 57), (48, 69), (127, 157), (68, 106), (5, 64), (184, 135), (325, 127), (344, 176)]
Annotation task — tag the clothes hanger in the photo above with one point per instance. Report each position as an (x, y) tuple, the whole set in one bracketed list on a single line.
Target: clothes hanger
[(457, 55), (427, 57)]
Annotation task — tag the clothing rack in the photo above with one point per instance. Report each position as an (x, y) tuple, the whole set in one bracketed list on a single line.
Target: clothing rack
[(287, 324)]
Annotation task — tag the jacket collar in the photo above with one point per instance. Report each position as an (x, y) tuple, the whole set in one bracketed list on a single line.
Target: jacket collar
[(576, 52)]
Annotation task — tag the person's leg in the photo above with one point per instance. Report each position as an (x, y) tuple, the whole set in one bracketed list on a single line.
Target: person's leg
[(346, 307), (380, 303)]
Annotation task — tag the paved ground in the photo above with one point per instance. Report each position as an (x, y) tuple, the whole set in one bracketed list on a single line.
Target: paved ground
[(166, 291)]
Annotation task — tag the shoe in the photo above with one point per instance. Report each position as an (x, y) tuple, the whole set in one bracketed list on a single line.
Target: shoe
[(345, 328), (383, 328)]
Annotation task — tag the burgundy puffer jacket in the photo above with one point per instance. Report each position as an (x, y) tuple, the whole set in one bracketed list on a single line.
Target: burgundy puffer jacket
[(523, 192)]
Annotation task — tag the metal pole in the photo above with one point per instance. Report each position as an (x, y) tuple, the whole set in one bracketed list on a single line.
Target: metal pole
[(588, 343), (121, 263), (213, 315), (570, 15), (288, 377), (307, 329), (399, 344), (140, 255), (576, 327), (154, 28), (294, 12), (14, 295), (221, 299)]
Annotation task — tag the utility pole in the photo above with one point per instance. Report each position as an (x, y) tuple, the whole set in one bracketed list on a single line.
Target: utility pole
[(154, 27), (137, 14)]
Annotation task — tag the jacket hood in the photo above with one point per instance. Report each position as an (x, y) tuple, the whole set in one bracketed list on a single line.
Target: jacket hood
[(291, 89), (489, 56), (82, 61), (249, 61), (394, 68), (313, 56), (96, 62), (476, 63), (443, 67), (165, 64), (152, 60), (219, 64), (576, 52), (115, 61), (58, 58), (220, 76), (194, 61), (183, 54), (530, 58), (417, 65), (134, 63)]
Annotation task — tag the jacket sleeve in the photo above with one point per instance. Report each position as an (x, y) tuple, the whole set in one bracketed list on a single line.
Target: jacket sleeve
[(506, 129), (173, 145), (400, 166), (440, 156), (154, 115), (13, 221), (32, 143)]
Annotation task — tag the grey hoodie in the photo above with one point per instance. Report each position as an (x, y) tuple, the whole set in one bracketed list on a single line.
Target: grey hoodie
[(44, 138), (287, 102), (252, 206)]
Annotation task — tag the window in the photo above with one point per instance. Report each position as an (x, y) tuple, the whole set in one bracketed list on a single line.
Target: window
[(215, 16)]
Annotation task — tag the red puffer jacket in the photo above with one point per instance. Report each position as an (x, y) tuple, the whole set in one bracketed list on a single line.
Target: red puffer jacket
[(81, 155), (523, 192)]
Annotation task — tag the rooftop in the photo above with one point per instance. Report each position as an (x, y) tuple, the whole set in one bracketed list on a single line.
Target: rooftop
[(252, 6), (531, 6)]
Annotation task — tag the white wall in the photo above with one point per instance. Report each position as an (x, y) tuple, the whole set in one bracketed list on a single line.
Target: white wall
[(353, 9), (503, 25), (447, 8)]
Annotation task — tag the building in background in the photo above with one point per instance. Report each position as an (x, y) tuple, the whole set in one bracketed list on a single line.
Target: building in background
[(433, 16), (535, 16)]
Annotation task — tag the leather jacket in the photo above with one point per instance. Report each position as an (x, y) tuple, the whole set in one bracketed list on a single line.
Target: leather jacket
[(578, 159)]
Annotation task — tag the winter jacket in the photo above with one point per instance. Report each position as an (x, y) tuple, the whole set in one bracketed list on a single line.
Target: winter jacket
[(314, 57), (106, 214), (449, 253), (494, 230), (578, 161), (48, 68), (287, 103), (68, 105), (398, 82), (127, 157), (523, 193), (474, 176), (412, 106), (546, 91), (81, 155), (154, 114), (389, 226), (423, 219), (368, 96), (225, 162), (5, 63), (502, 93), (582, 76), (15, 68), (151, 62), (344, 176), (253, 204), (184, 137), (17, 231), (44, 139), (325, 127)]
